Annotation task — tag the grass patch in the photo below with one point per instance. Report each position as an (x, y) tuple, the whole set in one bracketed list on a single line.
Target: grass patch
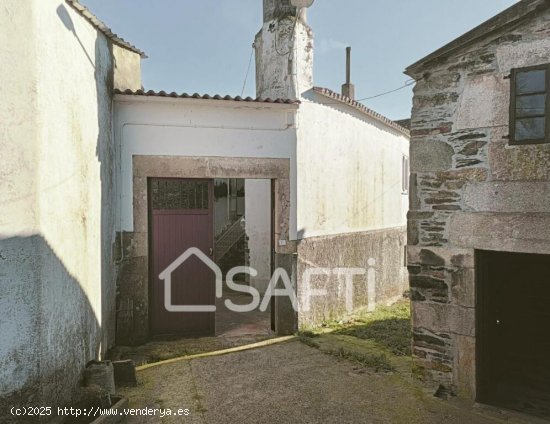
[(389, 326), (366, 338), (307, 337), (308, 341), (308, 334), (378, 362)]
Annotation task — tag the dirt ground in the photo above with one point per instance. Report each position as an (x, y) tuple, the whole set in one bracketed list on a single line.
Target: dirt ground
[(291, 383), (358, 370)]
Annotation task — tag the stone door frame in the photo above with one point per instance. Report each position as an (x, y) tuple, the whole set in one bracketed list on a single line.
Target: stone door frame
[(135, 276)]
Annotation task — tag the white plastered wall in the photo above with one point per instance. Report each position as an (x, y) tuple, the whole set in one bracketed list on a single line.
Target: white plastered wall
[(57, 285), (258, 230), (19, 184), (349, 171), (200, 128)]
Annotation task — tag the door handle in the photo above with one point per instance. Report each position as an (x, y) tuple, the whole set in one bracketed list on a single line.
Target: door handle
[(211, 251)]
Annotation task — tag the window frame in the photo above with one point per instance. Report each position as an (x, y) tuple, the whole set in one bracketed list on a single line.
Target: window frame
[(405, 174), (189, 210), (513, 106)]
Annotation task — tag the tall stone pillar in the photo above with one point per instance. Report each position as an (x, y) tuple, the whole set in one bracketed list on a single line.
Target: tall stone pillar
[(284, 52)]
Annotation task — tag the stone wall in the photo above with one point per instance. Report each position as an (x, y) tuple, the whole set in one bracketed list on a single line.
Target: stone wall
[(470, 190), (380, 251), (284, 52)]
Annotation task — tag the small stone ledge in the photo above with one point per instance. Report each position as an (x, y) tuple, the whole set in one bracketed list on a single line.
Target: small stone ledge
[(450, 257)]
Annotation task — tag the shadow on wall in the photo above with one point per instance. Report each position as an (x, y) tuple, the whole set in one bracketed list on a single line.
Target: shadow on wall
[(49, 330), (103, 64), (106, 155), (69, 24)]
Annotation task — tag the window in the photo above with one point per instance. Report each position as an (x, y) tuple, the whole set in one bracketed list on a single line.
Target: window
[(530, 105), (405, 175), (179, 194)]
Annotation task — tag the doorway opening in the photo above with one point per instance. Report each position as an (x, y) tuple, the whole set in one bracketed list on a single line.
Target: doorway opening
[(228, 222), (243, 238), (513, 331)]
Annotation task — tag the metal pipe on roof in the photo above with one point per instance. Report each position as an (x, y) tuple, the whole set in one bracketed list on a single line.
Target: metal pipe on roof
[(348, 89)]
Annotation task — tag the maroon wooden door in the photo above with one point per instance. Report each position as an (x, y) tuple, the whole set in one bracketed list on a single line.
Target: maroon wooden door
[(181, 217)]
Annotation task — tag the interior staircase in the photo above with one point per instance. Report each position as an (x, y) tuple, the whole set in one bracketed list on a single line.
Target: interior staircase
[(228, 238)]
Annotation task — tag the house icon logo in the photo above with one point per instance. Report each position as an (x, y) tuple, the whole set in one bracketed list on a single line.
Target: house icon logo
[(166, 276)]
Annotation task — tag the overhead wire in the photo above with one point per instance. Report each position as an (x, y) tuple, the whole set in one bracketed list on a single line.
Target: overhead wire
[(408, 83), (248, 69)]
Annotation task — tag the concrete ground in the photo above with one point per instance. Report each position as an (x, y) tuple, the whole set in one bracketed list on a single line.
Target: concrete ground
[(237, 324), (291, 383), (232, 329)]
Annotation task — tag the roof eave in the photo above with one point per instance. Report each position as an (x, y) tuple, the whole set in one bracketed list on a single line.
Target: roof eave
[(101, 27), (346, 101), (141, 95), (518, 12)]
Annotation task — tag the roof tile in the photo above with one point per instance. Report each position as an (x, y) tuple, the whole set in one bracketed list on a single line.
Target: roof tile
[(100, 26), (361, 107), (152, 93)]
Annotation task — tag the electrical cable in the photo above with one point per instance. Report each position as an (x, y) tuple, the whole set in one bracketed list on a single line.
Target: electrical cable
[(248, 70), (408, 83)]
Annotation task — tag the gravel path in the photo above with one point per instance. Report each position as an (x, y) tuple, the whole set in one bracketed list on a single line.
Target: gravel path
[(289, 383)]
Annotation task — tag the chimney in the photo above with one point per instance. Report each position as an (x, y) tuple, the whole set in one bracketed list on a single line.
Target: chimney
[(348, 89), (284, 52), (274, 9)]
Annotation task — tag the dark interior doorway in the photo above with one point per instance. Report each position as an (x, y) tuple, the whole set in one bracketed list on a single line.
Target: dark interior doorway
[(513, 331)]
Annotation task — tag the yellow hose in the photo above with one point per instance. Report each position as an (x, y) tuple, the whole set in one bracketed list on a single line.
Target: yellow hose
[(264, 343)]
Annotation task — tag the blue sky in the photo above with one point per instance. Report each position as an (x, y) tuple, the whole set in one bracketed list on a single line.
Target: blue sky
[(204, 45)]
